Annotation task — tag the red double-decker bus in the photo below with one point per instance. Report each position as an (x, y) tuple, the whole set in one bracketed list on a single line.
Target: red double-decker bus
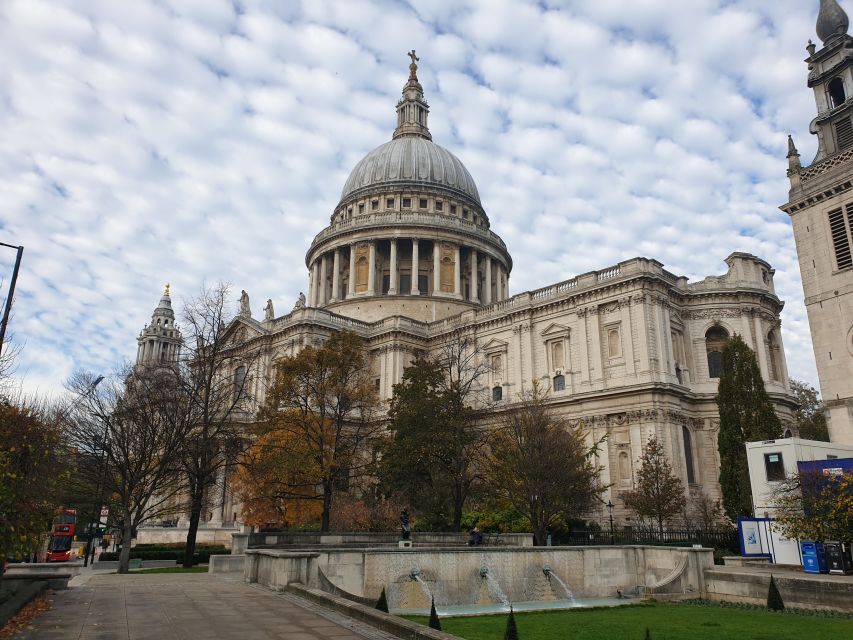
[(62, 535)]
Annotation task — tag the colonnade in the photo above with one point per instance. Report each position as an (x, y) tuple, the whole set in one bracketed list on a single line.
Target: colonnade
[(354, 270)]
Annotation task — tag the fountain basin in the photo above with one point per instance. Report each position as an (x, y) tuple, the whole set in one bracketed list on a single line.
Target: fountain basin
[(461, 610)]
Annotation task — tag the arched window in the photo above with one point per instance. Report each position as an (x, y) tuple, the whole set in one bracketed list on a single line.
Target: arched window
[(688, 454), (557, 359), (775, 355), (559, 383), (715, 339), (837, 96), (497, 393), (239, 383), (614, 343)]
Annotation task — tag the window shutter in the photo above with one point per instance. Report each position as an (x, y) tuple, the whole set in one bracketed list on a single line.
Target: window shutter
[(840, 239), (844, 133)]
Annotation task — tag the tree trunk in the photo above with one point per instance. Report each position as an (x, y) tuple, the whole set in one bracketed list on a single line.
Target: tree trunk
[(124, 556), (196, 503), (327, 508)]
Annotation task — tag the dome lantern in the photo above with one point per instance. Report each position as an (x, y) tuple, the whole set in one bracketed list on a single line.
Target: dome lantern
[(412, 109)]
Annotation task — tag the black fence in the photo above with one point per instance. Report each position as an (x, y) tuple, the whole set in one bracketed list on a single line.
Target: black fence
[(716, 538)]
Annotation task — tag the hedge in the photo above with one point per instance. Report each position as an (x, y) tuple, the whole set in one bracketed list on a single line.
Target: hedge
[(202, 555)]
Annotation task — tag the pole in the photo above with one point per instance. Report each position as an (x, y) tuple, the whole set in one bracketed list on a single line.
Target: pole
[(610, 508), (8, 309)]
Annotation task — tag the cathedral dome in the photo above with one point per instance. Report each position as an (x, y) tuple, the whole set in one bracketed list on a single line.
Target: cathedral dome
[(412, 161)]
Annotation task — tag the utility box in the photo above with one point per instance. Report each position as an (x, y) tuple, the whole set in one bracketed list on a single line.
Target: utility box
[(838, 558), (814, 557)]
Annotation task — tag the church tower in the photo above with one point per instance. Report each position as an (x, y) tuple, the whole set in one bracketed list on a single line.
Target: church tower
[(821, 209), (160, 341)]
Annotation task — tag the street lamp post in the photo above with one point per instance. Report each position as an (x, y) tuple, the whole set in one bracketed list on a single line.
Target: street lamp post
[(610, 509), (8, 307)]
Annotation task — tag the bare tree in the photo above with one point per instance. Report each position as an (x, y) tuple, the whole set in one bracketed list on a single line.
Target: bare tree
[(541, 466), (217, 383), (135, 423)]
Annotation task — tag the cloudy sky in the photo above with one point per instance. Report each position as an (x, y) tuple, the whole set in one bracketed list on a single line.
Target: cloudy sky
[(191, 141)]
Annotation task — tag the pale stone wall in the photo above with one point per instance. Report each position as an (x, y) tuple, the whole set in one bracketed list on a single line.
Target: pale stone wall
[(455, 576)]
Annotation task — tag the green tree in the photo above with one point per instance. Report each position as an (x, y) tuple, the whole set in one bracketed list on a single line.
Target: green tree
[(774, 598), (659, 494), (434, 622), (812, 506), (811, 415), (542, 466), (322, 410), (32, 470), (434, 457), (746, 415)]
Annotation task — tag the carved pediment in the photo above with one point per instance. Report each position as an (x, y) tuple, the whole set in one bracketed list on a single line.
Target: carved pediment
[(555, 330), (495, 346)]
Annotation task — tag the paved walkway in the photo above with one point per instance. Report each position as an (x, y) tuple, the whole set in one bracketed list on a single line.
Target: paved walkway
[(186, 607)]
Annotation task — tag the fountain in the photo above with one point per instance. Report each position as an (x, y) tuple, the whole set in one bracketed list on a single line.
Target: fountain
[(549, 573), (415, 574), (493, 586)]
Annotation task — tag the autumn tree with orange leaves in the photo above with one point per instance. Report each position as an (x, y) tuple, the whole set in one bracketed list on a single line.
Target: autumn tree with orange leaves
[(315, 434)]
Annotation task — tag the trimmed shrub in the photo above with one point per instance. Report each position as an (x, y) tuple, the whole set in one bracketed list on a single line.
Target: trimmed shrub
[(202, 555), (511, 632), (648, 634), (434, 622), (382, 603), (774, 598)]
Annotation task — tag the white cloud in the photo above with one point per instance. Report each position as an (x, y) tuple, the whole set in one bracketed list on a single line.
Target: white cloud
[(200, 140)]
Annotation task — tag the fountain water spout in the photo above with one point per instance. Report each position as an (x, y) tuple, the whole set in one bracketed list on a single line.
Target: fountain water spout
[(484, 571), (547, 571), (415, 573)]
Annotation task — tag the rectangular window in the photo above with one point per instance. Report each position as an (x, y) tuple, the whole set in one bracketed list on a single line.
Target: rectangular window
[(407, 203), (389, 203), (423, 284), (774, 466), (453, 209), (422, 203), (361, 208), (439, 205), (841, 236), (405, 282), (374, 205), (386, 282), (465, 213)]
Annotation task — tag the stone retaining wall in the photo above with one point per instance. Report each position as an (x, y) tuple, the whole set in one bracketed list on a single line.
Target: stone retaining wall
[(806, 592), (454, 576)]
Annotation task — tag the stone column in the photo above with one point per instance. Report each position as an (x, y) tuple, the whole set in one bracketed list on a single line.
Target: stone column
[(351, 283), (324, 267), (498, 283), (761, 347), (392, 286), (315, 282), (436, 269), (457, 271), (415, 268), (336, 276), (487, 288), (475, 294), (371, 273)]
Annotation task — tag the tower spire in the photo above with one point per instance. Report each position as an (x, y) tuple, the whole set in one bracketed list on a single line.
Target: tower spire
[(832, 21), (412, 109)]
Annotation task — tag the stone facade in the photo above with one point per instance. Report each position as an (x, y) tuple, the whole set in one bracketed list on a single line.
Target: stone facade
[(630, 351), (821, 209)]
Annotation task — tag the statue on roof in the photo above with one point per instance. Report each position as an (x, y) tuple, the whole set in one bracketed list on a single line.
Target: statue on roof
[(300, 302), (269, 314), (245, 310)]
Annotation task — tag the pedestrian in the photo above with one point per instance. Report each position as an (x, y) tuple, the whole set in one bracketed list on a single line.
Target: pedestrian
[(475, 538)]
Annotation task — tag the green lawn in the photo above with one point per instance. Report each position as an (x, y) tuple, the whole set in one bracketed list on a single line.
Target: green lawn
[(665, 622)]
